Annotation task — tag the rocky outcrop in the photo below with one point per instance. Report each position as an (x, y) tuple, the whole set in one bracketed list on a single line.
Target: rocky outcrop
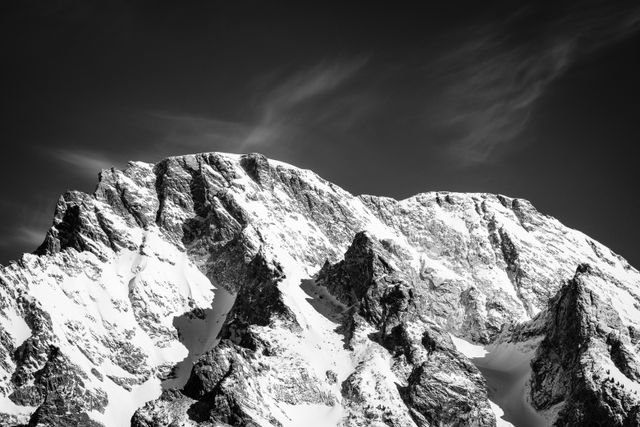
[(341, 306), (370, 281), (439, 385), (586, 363)]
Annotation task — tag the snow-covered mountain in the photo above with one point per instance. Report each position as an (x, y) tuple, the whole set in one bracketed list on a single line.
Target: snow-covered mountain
[(219, 289)]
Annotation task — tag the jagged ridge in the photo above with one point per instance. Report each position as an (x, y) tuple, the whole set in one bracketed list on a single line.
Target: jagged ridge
[(364, 340)]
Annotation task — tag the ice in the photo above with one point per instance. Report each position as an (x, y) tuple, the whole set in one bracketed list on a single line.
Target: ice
[(507, 371), (199, 335)]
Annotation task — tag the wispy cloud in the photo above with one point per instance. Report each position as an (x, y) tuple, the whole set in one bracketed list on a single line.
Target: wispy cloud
[(196, 133), (309, 84), (35, 218), (301, 100), (492, 100), (308, 99), (495, 80), (27, 236), (84, 162)]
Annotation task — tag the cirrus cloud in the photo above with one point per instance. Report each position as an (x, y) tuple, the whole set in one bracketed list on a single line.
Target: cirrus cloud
[(495, 79)]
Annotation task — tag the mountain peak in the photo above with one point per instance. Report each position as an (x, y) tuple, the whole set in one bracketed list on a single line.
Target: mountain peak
[(224, 288)]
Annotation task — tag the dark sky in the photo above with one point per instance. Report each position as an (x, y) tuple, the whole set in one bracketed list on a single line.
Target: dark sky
[(536, 100)]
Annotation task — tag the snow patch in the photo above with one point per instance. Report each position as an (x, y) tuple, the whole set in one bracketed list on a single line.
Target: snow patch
[(321, 347), (21, 413), (17, 328), (199, 335), (499, 413), (453, 221), (625, 304), (610, 371), (123, 404), (468, 349), (507, 371), (310, 415)]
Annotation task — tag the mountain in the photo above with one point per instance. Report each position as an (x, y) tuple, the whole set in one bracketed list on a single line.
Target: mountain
[(218, 289)]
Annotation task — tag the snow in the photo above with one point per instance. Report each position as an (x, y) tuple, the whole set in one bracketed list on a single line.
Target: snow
[(499, 413), (624, 303), (609, 370), (92, 301), (453, 221), (140, 164), (91, 311), (17, 328), (311, 415), (200, 335), (500, 281), (320, 346), (468, 349), (282, 164), (370, 222), (123, 404), (435, 269), (22, 413), (315, 347), (134, 235), (230, 156), (507, 371)]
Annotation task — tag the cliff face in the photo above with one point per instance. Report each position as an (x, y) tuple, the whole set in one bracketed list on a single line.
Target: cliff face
[(222, 289), (588, 361)]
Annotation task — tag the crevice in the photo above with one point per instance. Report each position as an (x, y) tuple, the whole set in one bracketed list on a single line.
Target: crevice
[(160, 171), (514, 272), (125, 202), (516, 208), (103, 226)]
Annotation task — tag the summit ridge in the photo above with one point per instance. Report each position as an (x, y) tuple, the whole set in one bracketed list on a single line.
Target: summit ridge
[(221, 289)]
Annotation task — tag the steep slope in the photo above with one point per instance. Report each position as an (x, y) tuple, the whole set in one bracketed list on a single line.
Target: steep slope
[(330, 308), (588, 359)]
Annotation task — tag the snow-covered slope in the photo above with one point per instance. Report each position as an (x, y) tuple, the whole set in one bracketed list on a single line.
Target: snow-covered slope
[(218, 288)]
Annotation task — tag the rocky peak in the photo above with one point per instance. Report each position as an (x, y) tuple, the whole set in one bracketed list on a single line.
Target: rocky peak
[(278, 298), (258, 168), (586, 363), (369, 280), (364, 265)]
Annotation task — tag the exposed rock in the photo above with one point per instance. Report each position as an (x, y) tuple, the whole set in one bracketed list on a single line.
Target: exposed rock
[(341, 307), (586, 361)]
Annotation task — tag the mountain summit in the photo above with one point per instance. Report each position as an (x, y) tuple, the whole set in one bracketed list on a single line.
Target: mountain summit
[(219, 289)]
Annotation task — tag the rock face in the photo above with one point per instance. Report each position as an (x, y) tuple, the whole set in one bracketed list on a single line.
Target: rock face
[(219, 289), (587, 360)]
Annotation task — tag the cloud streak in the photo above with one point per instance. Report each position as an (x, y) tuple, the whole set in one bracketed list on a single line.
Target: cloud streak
[(314, 98), (196, 133), (36, 221), (302, 100), (27, 236), (83, 162), (495, 80)]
